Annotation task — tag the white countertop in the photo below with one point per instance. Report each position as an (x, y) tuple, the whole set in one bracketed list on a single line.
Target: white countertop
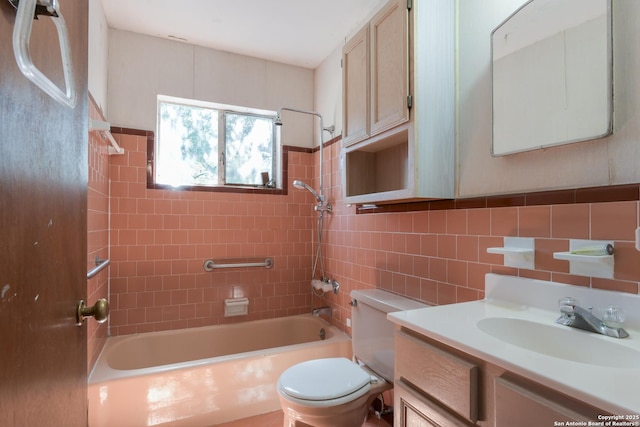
[(609, 388)]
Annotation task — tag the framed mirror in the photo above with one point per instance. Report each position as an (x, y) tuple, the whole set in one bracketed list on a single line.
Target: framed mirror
[(552, 68)]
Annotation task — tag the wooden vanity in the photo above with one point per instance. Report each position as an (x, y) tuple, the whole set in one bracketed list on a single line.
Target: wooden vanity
[(436, 385), (451, 369)]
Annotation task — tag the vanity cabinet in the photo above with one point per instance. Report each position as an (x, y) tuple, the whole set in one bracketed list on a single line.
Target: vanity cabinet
[(398, 105), (436, 385)]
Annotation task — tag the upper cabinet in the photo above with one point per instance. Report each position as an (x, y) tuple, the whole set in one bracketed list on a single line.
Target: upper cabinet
[(398, 105), (375, 70)]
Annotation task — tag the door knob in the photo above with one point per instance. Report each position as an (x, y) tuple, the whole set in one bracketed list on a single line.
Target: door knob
[(99, 311)]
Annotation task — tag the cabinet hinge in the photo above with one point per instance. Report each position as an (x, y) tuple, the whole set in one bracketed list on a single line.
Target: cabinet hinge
[(409, 4), (409, 101)]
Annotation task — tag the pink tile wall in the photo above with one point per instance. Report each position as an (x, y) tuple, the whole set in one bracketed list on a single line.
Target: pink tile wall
[(161, 238), (440, 256), (97, 232)]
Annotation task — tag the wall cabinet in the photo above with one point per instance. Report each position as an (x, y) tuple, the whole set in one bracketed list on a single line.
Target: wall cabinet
[(398, 105), (375, 67), (436, 385)]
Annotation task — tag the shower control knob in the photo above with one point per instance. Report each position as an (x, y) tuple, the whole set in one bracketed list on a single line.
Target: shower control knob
[(353, 303)]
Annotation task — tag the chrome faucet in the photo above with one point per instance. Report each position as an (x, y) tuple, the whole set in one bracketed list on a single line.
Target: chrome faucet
[(577, 317), (326, 310)]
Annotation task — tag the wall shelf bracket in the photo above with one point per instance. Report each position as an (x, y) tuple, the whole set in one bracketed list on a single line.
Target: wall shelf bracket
[(518, 252), (593, 258)]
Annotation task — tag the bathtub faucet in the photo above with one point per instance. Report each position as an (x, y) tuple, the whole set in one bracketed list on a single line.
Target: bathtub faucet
[(326, 310)]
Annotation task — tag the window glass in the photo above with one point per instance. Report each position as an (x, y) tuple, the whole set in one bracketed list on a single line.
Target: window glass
[(188, 145), (202, 144), (249, 148)]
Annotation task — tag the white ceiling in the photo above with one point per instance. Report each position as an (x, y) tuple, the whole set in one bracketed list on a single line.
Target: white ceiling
[(297, 32)]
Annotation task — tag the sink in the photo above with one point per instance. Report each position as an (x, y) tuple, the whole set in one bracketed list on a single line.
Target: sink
[(561, 342)]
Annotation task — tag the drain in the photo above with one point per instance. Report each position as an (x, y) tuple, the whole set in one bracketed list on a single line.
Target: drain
[(323, 333)]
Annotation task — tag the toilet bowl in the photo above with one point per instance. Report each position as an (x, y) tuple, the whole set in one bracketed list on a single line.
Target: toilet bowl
[(337, 392), (333, 392)]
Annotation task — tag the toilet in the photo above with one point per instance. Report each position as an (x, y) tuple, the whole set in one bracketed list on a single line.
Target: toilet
[(337, 392)]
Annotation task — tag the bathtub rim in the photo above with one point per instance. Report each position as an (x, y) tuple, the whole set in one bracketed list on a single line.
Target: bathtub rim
[(102, 372)]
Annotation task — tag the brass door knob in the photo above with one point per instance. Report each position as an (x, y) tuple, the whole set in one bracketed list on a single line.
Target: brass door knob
[(99, 311)]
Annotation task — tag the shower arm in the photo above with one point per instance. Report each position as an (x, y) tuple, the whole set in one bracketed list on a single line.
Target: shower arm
[(322, 129)]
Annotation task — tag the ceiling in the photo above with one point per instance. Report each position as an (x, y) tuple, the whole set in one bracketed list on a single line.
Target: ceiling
[(296, 32)]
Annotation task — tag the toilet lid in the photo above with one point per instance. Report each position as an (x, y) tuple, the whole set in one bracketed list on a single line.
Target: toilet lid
[(323, 379)]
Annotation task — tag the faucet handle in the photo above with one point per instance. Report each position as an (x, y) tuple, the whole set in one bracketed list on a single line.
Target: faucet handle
[(613, 316), (566, 306), (567, 302)]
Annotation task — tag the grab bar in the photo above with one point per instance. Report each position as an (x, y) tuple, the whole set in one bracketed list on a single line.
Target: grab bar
[(26, 12), (210, 265), (100, 265)]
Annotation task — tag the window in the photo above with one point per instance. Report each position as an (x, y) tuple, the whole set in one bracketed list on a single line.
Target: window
[(205, 144)]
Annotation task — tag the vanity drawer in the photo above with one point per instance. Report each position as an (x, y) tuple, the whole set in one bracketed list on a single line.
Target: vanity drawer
[(443, 376)]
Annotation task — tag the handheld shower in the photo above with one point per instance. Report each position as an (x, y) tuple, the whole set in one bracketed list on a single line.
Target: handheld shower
[(331, 129), (304, 186), (321, 207)]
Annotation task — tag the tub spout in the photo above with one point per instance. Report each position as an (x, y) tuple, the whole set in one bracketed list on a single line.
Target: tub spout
[(326, 310)]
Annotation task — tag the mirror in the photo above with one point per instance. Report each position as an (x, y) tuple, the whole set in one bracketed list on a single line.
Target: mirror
[(552, 75)]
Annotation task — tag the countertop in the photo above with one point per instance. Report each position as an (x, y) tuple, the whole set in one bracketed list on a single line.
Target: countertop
[(610, 388)]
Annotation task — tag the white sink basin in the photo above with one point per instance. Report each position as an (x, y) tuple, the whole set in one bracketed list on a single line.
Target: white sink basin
[(561, 341)]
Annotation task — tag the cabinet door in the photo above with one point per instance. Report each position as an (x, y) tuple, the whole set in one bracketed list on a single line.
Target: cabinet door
[(516, 404), (415, 410), (355, 88), (389, 67)]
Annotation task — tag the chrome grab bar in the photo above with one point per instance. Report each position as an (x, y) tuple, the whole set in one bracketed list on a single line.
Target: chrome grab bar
[(210, 265), (26, 11), (100, 265)]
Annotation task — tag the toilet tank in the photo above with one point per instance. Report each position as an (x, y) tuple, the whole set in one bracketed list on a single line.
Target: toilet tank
[(371, 332)]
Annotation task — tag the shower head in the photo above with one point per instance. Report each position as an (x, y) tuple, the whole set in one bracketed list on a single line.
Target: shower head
[(304, 186), (278, 120)]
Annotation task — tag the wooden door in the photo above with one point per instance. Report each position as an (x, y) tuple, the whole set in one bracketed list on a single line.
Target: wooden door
[(43, 226)]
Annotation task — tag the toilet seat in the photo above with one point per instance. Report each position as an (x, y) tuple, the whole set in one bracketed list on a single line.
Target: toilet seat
[(325, 381)]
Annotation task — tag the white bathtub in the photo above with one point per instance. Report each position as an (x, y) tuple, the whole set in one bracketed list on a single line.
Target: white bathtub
[(203, 376)]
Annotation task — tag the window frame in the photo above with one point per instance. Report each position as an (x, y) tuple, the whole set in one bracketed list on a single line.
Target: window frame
[(279, 152)]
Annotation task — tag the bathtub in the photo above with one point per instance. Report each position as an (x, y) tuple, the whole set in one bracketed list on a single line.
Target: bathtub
[(203, 376)]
